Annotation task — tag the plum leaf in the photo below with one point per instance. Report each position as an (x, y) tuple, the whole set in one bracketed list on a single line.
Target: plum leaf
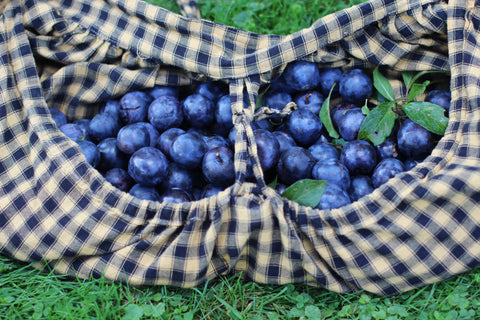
[(416, 90), (325, 116), (383, 86), (378, 124), (408, 78), (429, 115), (306, 192)]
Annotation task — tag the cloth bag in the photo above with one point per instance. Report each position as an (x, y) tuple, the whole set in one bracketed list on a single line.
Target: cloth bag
[(421, 227)]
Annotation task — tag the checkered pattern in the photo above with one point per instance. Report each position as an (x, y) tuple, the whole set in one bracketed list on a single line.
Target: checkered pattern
[(421, 227)]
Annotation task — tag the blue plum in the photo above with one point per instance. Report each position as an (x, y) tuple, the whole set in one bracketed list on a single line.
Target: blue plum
[(148, 166), (276, 100), (83, 124), (175, 196), (328, 77), (212, 90), (73, 131), (386, 169), (188, 150), (90, 151), (302, 75), (134, 107), (278, 84), (323, 151), (120, 179), (349, 123), (285, 140), (159, 90), (332, 171), (110, 155), (134, 136), (178, 177), (144, 192), (409, 163), (210, 191), (295, 164), (387, 149), (154, 134), (198, 111), (311, 100), (440, 97), (414, 141), (339, 110), (102, 126), (304, 126), (111, 107), (164, 141), (232, 135), (215, 141), (280, 188), (218, 166), (165, 112), (334, 197), (355, 86), (359, 156), (266, 123), (223, 112), (58, 116), (360, 186), (268, 148)]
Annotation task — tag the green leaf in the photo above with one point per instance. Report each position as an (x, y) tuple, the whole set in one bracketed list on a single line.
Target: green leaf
[(416, 90), (312, 312), (188, 315), (243, 19), (296, 9), (156, 311), (382, 85), (38, 309), (364, 299), (346, 310), (377, 96), (6, 296), (458, 300), (257, 6), (259, 102), (429, 115), (378, 124), (157, 297), (365, 110), (272, 315), (466, 314), (408, 76), (398, 310), (339, 142), (133, 312), (306, 192), (296, 313), (325, 116), (273, 184), (379, 314)]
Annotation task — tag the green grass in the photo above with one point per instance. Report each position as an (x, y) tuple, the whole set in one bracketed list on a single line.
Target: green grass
[(268, 17), (26, 293)]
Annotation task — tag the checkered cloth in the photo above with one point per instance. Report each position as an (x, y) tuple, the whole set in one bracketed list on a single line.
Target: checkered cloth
[(420, 227)]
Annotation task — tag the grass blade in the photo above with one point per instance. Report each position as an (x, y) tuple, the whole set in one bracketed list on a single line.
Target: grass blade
[(233, 311)]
